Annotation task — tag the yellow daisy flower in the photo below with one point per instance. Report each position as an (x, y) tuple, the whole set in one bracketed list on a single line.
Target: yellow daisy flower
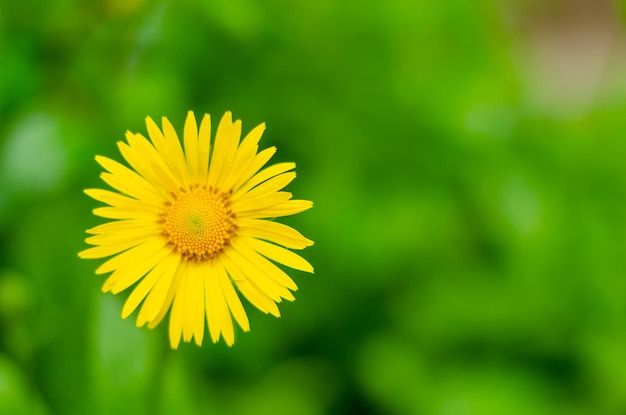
[(187, 228)]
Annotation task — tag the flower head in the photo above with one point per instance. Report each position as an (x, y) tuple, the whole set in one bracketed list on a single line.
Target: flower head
[(190, 223)]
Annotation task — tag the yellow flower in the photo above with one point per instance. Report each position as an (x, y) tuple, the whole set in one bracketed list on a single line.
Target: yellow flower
[(187, 228)]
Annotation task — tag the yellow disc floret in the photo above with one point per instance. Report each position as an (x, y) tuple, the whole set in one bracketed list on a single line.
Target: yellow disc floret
[(199, 223)]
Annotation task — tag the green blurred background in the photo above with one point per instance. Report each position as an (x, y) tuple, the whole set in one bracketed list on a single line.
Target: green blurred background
[(467, 160)]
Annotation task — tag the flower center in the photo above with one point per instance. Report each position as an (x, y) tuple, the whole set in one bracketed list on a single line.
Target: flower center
[(199, 223)]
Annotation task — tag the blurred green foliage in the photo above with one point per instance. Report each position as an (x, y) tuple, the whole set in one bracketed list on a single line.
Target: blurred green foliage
[(467, 164)]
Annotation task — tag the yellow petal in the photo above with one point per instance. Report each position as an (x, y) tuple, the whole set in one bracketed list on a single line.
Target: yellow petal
[(278, 254), (164, 147), (133, 256), (194, 307), (262, 202), (220, 145), (124, 277), (175, 151), (234, 303), (253, 294), (290, 207), (217, 314), (191, 146), (143, 288), (219, 274), (120, 226), (158, 166), (257, 164), (270, 186), (184, 291), (112, 198), (204, 147), (109, 250), (243, 246), (124, 202), (273, 232), (155, 299), (143, 166), (230, 153), (122, 213), (252, 272), (245, 156), (264, 175), (129, 236), (158, 140), (136, 161), (177, 314), (127, 181)]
